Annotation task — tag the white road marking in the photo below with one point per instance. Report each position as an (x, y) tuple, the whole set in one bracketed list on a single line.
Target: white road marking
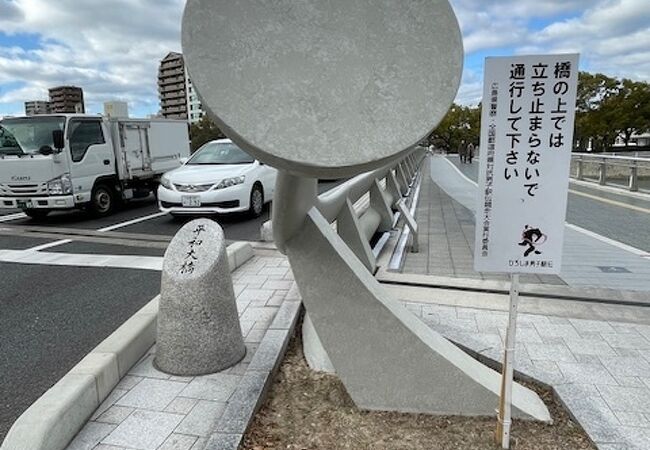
[(132, 222), (606, 240), (49, 245), (82, 260), (601, 238), (14, 216), (109, 228)]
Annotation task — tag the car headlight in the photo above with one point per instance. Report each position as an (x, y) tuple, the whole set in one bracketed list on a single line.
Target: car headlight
[(164, 181), (227, 182), (60, 186)]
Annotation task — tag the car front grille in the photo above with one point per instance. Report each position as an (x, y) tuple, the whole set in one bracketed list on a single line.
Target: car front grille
[(192, 187)]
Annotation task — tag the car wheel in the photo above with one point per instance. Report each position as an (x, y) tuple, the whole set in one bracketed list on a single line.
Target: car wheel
[(102, 200), (256, 204), (36, 213)]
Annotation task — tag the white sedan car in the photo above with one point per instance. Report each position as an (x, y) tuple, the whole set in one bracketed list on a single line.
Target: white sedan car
[(218, 178)]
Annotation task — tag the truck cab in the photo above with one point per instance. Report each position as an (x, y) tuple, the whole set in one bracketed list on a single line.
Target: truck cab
[(58, 162)]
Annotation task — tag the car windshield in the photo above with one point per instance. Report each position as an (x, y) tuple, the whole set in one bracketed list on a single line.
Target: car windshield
[(28, 135), (220, 153)]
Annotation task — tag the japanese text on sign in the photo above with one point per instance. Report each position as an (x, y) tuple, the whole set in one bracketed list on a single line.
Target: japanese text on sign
[(526, 139)]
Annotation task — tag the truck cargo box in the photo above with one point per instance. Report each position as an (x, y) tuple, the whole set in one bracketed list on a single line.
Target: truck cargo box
[(146, 148)]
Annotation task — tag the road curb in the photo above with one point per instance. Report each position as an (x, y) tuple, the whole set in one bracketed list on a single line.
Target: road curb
[(53, 420)]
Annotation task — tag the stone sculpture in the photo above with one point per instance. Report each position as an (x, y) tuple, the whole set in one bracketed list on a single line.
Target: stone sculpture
[(328, 90)]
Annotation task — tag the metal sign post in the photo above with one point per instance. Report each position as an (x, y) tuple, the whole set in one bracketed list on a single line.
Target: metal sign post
[(505, 405)]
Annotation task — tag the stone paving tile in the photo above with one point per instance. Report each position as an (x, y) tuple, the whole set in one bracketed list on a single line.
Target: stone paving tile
[(592, 347), (145, 368), (201, 419), (178, 442), (550, 352), (128, 382), (216, 387), (90, 436), (115, 414), (114, 396), (626, 399), (145, 430), (586, 373), (632, 340), (624, 366), (181, 405), (152, 394), (591, 326)]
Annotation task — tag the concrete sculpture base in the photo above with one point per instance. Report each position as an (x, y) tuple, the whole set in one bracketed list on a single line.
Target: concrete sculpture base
[(198, 324), (386, 357)]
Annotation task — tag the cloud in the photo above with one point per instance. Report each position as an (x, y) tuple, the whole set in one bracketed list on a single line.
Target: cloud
[(112, 49)]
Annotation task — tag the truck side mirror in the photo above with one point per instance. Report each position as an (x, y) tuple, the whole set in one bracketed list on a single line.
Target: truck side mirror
[(57, 138)]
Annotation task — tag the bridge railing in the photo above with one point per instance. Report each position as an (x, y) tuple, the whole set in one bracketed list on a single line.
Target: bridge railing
[(627, 172), (388, 188)]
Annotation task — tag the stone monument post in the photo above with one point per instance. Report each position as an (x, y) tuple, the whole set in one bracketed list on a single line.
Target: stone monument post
[(198, 324)]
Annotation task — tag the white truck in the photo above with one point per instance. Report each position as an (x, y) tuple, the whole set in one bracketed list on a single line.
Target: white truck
[(67, 161)]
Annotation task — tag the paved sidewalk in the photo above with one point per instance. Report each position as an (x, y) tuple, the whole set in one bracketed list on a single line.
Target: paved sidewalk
[(446, 238), (587, 261), (151, 410), (599, 369)]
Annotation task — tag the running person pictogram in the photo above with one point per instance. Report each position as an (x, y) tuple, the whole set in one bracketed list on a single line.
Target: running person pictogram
[(532, 237)]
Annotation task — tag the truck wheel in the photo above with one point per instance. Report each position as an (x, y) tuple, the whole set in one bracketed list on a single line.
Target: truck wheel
[(256, 204), (37, 213), (102, 201)]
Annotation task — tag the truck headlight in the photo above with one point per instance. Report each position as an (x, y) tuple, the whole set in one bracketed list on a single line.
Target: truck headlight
[(60, 186), (227, 182), (164, 182)]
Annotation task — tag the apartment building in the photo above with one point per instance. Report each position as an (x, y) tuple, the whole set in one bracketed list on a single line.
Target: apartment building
[(178, 100), (67, 99), (35, 107)]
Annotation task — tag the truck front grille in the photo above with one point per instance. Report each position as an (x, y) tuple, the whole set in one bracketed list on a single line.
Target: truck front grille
[(23, 190)]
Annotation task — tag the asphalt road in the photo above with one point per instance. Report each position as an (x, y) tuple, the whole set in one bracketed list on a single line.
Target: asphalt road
[(620, 217), (52, 316)]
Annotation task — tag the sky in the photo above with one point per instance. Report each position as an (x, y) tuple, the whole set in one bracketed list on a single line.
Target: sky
[(112, 48)]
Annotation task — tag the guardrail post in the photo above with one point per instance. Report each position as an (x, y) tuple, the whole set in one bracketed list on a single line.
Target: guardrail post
[(579, 169), (378, 203), (633, 184), (602, 172), (347, 226), (393, 187), (403, 179)]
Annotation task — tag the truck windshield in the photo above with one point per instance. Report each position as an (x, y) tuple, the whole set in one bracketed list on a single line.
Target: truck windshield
[(27, 135), (220, 153)]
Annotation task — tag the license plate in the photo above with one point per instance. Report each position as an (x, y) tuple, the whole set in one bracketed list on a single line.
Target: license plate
[(24, 204), (190, 201)]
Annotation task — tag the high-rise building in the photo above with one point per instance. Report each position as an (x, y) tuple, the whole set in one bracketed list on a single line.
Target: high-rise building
[(116, 109), (67, 99), (35, 107), (178, 99)]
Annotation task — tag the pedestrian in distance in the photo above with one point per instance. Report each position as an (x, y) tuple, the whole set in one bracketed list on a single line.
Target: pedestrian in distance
[(469, 153), (462, 152)]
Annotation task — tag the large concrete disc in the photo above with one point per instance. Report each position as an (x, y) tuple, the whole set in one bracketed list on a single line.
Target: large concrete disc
[(324, 88)]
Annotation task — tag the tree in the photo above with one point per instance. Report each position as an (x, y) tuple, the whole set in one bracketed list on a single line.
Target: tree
[(607, 108), (460, 124), (204, 131), (629, 110)]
